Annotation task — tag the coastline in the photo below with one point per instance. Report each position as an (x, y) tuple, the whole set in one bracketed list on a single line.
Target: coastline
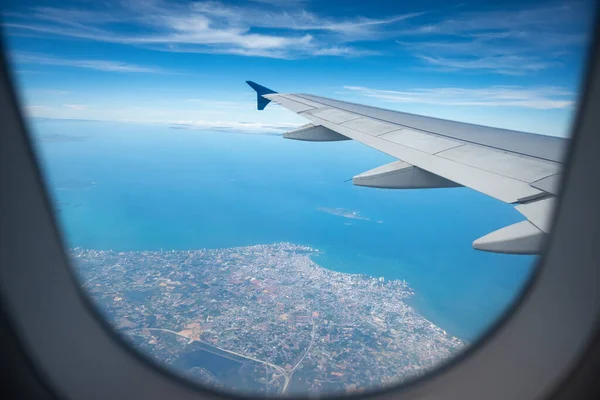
[(415, 301), (240, 298)]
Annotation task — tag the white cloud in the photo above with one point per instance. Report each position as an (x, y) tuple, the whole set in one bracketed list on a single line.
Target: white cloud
[(236, 126), (212, 27), (223, 103), (75, 106), (54, 92), (502, 64), (299, 19), (512, 21), (192, 113), (515, 40), (282, 3), (457, 40), (344, 51), (495, 96), (100, 65), (537, 109)]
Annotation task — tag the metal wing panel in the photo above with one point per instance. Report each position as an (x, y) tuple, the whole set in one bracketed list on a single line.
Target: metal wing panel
[(529, 144), (502, 163), (371, 126), (295, 106), (500, 187), (336, 116), (421, 141), (303, 101)]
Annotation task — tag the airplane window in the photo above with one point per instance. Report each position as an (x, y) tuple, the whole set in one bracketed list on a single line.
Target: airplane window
[(390, 235)]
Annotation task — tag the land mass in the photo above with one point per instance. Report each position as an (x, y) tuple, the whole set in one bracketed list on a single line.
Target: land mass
[(264, 319)]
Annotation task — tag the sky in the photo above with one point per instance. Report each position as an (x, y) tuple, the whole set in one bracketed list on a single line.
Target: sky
[(510, 64)]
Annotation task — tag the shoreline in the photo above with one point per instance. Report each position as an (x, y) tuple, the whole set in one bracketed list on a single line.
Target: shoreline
[(409, 301), (313, 252)]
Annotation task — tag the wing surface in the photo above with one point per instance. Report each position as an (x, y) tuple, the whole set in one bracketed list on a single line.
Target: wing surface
[(514, 167)]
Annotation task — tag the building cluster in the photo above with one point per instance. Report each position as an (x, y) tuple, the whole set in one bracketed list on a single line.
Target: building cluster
[(284, 324)]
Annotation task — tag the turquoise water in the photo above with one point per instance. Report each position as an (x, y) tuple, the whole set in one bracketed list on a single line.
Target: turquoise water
[(144, 187)]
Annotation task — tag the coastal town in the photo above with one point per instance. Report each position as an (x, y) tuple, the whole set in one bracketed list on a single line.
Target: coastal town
[(264, 319)]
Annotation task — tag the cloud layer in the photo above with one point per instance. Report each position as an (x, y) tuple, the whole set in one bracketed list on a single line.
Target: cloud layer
[(197, 117), (254, 29), (99, 65), (523, 57), (511, 40), (496, 96)]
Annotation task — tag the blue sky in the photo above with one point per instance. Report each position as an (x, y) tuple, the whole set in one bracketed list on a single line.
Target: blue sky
[(512, 64)]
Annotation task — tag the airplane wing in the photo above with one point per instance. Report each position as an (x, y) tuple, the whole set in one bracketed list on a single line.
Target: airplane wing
[(514, 167)]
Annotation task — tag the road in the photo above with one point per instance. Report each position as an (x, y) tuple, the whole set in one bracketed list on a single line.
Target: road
[(291, 372), (282, 371), (287, 375)]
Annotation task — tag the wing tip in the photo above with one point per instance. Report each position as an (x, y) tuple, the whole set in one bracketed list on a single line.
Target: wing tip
[(261, 102), (260, 89)]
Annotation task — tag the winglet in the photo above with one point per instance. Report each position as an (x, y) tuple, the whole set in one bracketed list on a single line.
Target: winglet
[(261, 102)]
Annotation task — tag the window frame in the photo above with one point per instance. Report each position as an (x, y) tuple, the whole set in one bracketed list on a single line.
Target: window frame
[(525, 355)]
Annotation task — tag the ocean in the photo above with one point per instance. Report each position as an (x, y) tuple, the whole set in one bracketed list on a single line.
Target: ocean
[(125, 186)]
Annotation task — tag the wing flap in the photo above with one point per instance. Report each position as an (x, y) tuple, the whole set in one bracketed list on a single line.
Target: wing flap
[(401, 175)]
